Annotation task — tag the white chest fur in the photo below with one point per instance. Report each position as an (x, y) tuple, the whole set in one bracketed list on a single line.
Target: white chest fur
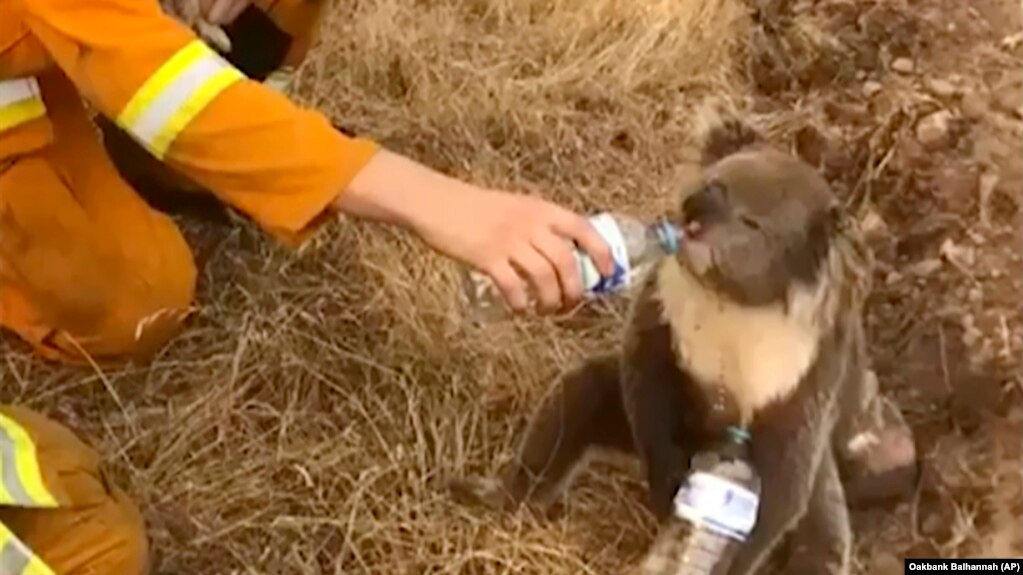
[(760, 354)]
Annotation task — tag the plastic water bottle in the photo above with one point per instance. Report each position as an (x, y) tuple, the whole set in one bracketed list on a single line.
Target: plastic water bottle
[(633, 243), (715, 511)]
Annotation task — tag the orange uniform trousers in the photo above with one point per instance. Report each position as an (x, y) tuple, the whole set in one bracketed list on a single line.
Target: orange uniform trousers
[(98, 531), (85, 260)]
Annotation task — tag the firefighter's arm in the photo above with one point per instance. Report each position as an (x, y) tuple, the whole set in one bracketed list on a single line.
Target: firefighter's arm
[(280, 164)]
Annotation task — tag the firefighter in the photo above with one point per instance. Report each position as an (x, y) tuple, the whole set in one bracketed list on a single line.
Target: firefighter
[(90, 272)]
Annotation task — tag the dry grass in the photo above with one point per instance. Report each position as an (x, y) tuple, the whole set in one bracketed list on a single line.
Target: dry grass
[(306, 421)]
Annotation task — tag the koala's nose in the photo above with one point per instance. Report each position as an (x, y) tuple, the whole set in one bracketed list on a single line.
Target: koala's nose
[(706, 205)]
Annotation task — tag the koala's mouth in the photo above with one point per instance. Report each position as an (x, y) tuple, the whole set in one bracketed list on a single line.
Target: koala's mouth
[(693, 230), (696, 255)]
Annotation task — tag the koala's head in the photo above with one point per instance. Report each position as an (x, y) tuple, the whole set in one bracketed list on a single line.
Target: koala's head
[(756, 222)]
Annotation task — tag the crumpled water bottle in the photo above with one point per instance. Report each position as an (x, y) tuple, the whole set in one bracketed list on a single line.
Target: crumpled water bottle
[(715, 512)]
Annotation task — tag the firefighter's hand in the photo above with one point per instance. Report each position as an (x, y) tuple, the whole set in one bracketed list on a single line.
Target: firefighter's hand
[(512, 238)]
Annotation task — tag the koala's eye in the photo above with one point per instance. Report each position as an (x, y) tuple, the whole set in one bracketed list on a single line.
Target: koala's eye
[(749, 222)]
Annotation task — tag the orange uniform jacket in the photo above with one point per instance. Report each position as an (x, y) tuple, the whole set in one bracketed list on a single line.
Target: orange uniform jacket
[(85, 264)]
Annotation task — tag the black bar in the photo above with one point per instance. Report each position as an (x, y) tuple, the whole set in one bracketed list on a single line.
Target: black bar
[(1007, 565)]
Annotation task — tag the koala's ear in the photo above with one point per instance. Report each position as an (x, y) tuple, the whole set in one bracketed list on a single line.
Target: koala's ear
[(726, 138)]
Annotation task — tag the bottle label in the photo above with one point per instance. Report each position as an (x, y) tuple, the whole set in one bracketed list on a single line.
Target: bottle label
[(717, 504), (593, 282)]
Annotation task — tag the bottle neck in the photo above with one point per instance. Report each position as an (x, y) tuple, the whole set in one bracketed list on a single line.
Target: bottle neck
[(738, 435), (667, 236)]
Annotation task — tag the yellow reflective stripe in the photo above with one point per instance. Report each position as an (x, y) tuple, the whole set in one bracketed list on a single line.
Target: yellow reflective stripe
[(21, 481), (175, 94), (17, 559), (20, 102)]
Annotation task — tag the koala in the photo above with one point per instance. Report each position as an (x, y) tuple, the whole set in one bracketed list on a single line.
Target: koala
[(756, 321)]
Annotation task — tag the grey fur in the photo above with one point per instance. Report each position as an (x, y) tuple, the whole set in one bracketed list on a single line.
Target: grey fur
[(658, 399)]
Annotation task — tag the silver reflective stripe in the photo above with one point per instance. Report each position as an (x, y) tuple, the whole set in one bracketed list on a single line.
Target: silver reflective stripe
[(17, 90), (148, 126), (14, 557), (9, 472)]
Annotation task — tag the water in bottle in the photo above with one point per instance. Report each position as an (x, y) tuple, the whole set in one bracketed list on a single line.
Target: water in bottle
[(715, 511), (633, 243)]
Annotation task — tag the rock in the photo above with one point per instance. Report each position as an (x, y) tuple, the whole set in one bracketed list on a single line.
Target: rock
[(925, 267), (988, 183), (1009, 100), (974, 105), (956, 186), (941, 88), (892, 278), (1015, 414), (885, 563), (975, 295), (870, 88), (933, 524), (971, 336), (932, 131), (874, 227), (1008, 93), (962, 257), (903, 65)]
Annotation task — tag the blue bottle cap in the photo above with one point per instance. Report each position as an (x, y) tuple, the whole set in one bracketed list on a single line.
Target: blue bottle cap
[(738, 434), (668, 236)]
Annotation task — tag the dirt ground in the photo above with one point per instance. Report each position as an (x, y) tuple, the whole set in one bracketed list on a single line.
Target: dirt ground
[(307, 420)]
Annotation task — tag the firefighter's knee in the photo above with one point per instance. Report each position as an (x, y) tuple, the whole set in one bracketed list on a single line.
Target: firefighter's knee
[(144, 307), (95, 528)]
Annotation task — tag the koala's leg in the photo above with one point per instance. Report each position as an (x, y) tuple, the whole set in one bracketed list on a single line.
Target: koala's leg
[(822, 543), (584, 410), (656, 411), (875, 447), (789, 441)]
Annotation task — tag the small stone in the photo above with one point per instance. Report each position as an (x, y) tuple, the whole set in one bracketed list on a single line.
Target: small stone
[(941, 88), (996, 273), (870, 88), (969, 321), (1015, 414), (962, 257), (974, 105), (932, 131), (971, 336), (903, 65), (955, 185), (933, 524), (1009, 101), (874, 227), (976, 237), (925, 267), (975, 295), (988, 183), (885, 563), (892, 278)]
